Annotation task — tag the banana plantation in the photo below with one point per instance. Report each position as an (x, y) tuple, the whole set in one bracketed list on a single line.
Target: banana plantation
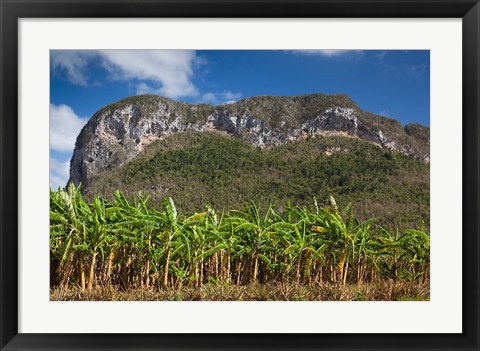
[(126, 243)]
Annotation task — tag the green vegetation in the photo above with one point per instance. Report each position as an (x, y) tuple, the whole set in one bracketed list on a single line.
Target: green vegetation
[(227, 173), (129, 244), (246, 223)]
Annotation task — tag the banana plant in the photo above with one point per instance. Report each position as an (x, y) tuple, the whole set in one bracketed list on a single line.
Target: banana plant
[(255, 226), (133, 244), (97, 229), (172, 227), (68, 228), (341, 234)]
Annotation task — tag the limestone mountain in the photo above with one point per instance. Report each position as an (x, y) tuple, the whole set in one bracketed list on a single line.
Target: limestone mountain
[(268, 149), (120, 131)]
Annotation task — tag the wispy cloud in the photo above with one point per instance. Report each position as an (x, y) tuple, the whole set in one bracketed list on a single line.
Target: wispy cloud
[(65, 125), (73, 63), (383, 62), (144, 88), (416, 69), (399, 68), (164, 72), (225, 97), (381, 55), (59, 173), (328, 52)]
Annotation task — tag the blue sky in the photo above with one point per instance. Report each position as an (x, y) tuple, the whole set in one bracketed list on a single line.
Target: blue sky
[(391, 83)]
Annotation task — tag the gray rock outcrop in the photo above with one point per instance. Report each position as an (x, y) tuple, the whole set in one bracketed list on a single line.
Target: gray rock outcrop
[(119, 132)]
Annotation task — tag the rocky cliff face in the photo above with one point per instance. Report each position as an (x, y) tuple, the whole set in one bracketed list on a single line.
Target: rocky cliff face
[(119, 132)]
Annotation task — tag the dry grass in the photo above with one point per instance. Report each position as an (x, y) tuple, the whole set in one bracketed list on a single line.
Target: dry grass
[(382, 291)]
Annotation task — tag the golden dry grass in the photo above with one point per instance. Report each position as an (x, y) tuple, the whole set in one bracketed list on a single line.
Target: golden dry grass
[(382, 291)]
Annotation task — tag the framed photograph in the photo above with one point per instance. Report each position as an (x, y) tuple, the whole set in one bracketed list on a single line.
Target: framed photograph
[(239, 175)]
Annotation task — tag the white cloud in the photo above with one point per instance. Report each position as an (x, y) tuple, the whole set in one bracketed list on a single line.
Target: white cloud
[(59, 173), (163, 72), (231, 96), (65, 126), (225, 97), (73, 63), (171, 69), (144, 88), (210, 98), (328, 53)]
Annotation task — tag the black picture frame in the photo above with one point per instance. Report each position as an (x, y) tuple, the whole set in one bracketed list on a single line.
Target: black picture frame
[(11, 11)]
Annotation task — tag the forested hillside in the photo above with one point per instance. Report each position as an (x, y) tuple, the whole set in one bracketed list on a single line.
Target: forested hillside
[(210, 168)]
